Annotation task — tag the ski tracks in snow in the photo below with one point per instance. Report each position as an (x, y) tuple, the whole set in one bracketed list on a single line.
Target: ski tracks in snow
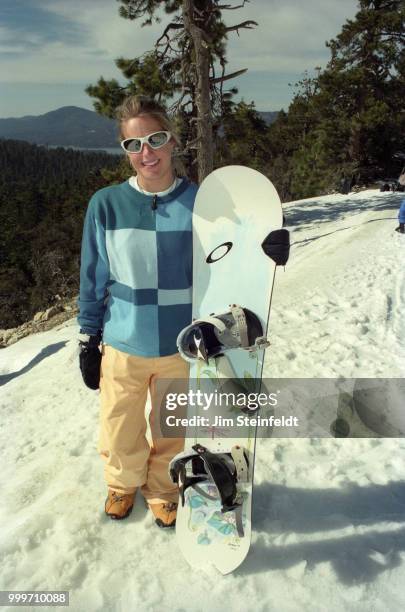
[(341, 314)]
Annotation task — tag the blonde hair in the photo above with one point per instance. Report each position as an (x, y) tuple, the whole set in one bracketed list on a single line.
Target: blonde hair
[(137, 106)]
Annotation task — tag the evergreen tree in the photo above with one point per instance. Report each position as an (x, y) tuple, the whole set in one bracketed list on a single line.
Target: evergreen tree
[(243, 138), (183, 68), (348, 121)]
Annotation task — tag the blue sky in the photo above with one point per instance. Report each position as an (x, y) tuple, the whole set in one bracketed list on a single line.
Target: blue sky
[(51, 49)]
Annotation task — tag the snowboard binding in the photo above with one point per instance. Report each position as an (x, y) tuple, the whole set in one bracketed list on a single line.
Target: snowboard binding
[(213, 335), (225, 470)]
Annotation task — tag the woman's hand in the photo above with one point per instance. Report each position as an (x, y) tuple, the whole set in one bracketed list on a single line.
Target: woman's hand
[(90, 360)]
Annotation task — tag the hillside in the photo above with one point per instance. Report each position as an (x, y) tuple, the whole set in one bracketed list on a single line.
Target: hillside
[(43, 198), (71, 126), (66, 126)]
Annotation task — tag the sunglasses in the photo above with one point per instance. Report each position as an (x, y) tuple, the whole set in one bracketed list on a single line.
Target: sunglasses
[(155, 141)]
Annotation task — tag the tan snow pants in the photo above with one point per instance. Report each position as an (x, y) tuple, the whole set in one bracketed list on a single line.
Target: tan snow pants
[(130, 462)]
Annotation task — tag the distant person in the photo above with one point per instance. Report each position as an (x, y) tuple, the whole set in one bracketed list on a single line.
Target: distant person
[(135, 297), (345, 184), (401, 219)]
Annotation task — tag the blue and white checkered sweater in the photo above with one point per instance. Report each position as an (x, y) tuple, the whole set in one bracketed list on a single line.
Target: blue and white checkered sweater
[(136, 268)]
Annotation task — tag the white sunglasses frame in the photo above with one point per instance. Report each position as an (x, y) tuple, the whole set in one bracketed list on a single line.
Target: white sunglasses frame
[(145, 139)]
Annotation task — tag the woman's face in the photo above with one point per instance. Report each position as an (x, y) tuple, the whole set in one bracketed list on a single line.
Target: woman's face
[(153, 167)]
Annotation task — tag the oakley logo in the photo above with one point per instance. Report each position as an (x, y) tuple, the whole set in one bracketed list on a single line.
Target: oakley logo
[(219, 252)]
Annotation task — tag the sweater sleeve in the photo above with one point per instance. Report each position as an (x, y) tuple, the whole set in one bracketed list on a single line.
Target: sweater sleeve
[(94, 273)]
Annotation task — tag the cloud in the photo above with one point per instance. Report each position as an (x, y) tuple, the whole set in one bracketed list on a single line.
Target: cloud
[(55, 40), (82, 42), (290, 36), (27, 25), (107, 32), (61, 42)]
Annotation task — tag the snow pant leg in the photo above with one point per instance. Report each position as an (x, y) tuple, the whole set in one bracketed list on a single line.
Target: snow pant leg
[(159, 487), (122, 443)]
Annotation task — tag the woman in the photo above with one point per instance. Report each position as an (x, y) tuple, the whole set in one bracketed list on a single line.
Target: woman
[(135, 294)]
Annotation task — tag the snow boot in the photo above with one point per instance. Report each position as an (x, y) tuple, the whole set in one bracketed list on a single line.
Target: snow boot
[(400, 228), (165, 514), (119, 505)]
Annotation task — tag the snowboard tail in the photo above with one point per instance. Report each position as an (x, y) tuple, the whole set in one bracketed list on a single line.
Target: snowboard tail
[(215, 507)]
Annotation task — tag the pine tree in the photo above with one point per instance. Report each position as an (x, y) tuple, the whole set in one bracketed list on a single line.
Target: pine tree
[(348, 121), (362, 83), (183, 68), (243, 138)]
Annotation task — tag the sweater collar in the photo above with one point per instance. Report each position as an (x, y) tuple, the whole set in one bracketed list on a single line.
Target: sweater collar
[(147, 199)]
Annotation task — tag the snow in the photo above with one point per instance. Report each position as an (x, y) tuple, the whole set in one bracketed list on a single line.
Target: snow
[(329, 514)]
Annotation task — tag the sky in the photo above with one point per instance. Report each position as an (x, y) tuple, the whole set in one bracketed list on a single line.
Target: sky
[(51, 50)]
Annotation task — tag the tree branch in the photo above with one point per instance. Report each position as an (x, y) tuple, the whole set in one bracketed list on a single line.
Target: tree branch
[(171, 26), (221, 79), (248, 25), (228, 7)]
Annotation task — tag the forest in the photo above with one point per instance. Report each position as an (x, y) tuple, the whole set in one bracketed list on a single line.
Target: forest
[(43, 198)]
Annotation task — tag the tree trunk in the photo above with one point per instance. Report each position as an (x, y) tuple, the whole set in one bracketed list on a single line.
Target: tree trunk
[(205, 148)]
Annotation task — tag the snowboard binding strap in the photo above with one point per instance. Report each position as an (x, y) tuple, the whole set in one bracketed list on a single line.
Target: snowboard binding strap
[(240, 320), (215, 466), (240, 331)]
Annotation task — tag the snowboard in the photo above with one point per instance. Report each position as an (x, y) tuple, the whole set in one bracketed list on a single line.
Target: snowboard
[(235, 209)]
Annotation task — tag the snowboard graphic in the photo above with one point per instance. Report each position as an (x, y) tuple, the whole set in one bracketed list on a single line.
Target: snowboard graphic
[(235, 212)]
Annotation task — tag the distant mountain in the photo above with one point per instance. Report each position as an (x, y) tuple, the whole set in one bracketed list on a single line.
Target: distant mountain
[(66, 126), (269, 116), (71, 126)]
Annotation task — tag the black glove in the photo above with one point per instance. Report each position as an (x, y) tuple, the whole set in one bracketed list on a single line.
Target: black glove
[(90, 361), (277, 246)]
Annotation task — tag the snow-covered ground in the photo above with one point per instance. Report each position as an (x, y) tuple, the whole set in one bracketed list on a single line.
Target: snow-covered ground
[(329, 514)]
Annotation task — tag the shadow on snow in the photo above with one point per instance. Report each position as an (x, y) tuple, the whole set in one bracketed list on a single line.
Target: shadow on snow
[(356, 558), (343, 229), (43, 354), (308, 212)]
